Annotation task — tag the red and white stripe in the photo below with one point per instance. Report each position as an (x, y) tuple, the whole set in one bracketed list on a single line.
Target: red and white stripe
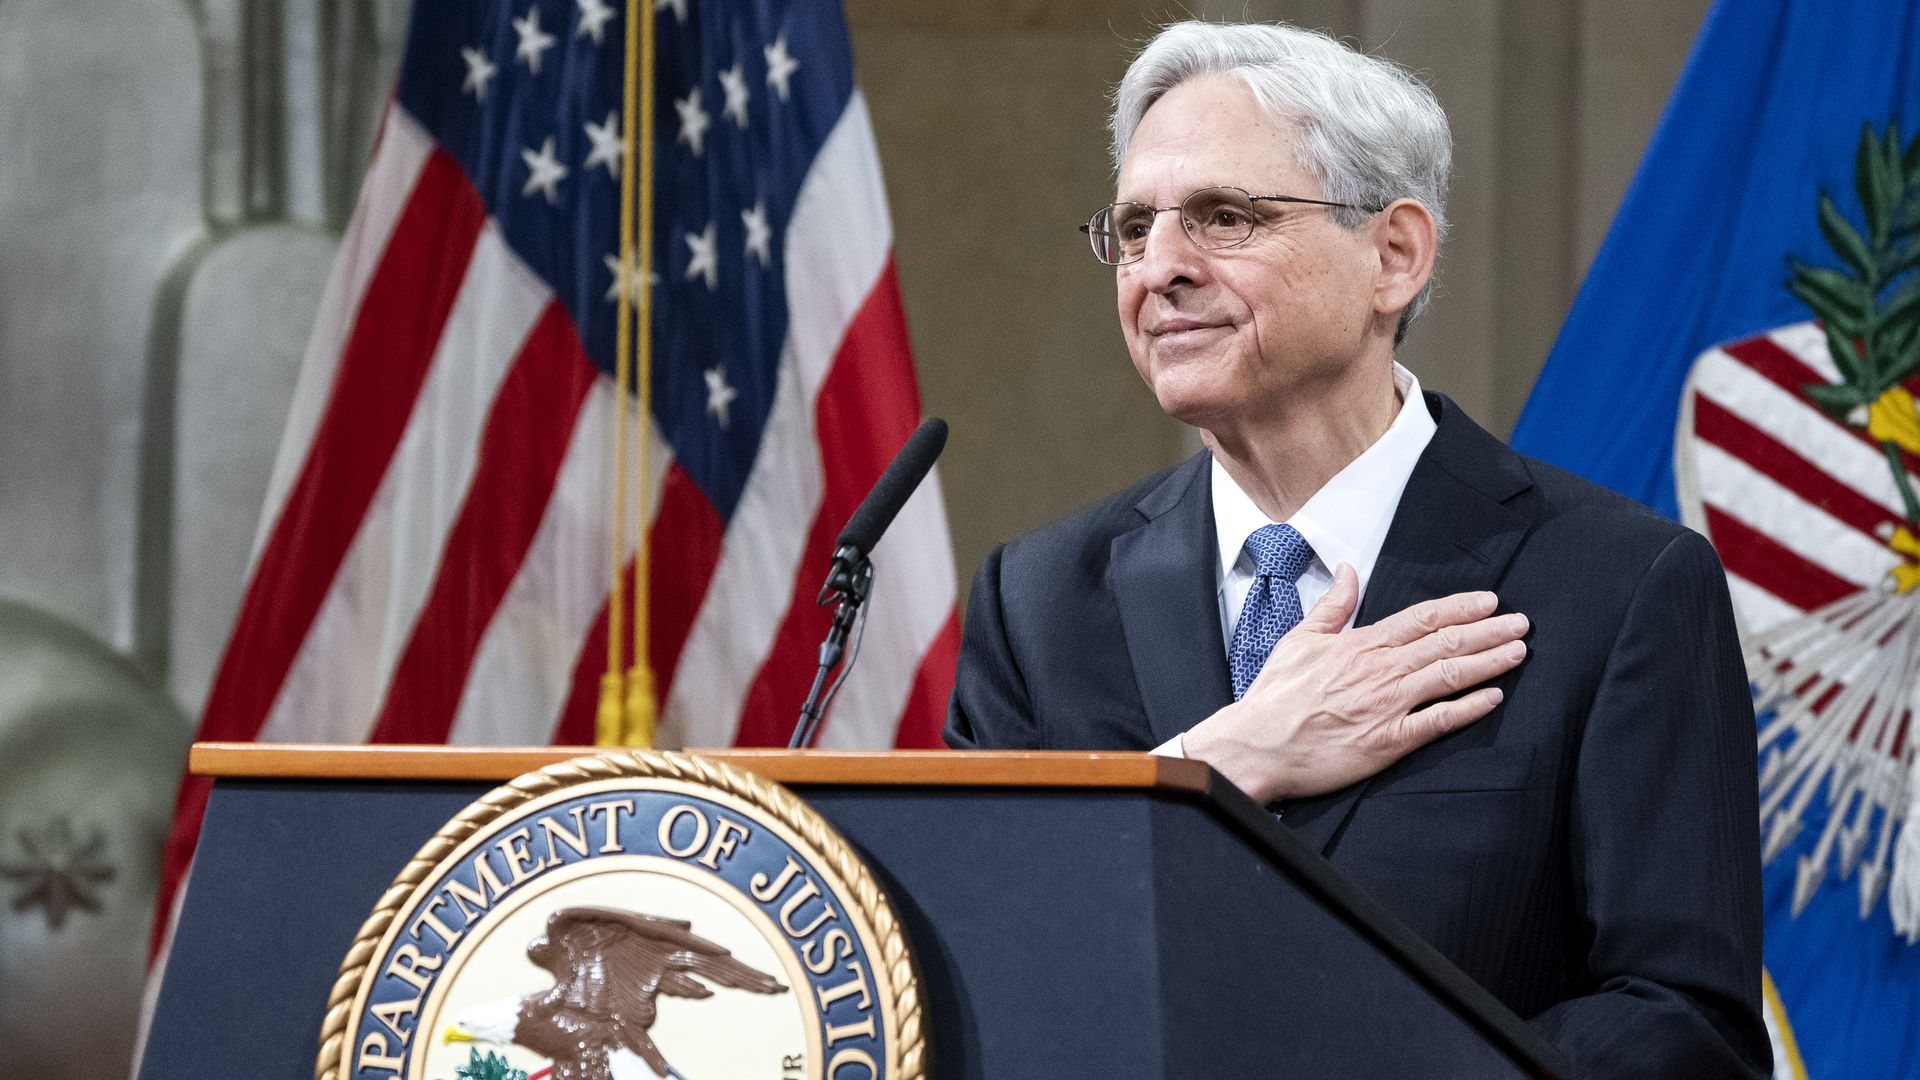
[(845, 317), (1790, 496), (432, 562)]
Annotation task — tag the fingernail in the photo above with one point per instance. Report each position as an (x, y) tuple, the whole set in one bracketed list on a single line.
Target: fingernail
[(1518, 622), (1515, 650), (1499, 695)]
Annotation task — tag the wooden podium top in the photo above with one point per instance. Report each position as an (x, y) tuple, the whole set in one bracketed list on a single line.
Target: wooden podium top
[(950, 768)]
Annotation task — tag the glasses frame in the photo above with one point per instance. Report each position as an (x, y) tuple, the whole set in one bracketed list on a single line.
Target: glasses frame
[(1156, 211)]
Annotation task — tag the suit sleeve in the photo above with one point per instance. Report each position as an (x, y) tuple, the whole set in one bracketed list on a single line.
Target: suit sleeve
[(1665, 835), (990, 709)]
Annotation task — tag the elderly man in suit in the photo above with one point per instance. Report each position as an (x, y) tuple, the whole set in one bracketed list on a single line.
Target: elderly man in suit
[(1505, 702)]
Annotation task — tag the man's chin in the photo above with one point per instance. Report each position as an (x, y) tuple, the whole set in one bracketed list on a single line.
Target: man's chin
[(1201, 411)]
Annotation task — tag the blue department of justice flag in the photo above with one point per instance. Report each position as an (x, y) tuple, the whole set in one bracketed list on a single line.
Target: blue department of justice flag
[(1743, 355)]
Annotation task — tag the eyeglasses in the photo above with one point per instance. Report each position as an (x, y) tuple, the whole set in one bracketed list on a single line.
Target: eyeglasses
[(1214, 217)]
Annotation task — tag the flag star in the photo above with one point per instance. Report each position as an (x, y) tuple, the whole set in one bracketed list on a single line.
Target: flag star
[(544, 172), (780, 65), (694, 121), (623, 277), (533, 40), (606, 145), (679, 9), (734, 81), (758, 234), (594, 15), (480, 72), (719, 395), (706, 257)]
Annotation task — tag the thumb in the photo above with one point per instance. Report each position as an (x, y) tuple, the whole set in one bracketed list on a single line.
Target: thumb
[(1331, 613)]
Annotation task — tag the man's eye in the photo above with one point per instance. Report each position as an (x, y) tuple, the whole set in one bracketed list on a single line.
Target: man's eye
[(1228, 217)]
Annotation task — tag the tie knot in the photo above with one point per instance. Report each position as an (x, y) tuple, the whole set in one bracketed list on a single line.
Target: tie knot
[(1280, 551)]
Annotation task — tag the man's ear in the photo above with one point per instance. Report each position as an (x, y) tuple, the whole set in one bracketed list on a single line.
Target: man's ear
[(1406, 238)]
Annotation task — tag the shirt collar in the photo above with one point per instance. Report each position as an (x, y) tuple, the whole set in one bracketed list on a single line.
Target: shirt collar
[(1347, 519)]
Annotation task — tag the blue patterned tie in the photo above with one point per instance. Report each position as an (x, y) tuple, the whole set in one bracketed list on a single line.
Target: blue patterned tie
[(1280, 556)]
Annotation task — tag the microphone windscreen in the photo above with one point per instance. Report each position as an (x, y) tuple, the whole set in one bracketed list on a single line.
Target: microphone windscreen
[(895, 486)]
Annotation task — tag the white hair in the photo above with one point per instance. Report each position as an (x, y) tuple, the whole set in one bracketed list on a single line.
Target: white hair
[(1369, 130)]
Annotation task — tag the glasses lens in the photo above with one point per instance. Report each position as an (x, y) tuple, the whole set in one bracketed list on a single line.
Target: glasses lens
[(1120, 232), (1100, 231), (1218, 217)]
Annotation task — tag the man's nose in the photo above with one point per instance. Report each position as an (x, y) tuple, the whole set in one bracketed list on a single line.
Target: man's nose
[(1170, 257)]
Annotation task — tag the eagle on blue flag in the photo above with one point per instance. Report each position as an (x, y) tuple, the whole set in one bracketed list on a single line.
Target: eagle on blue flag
[(1744, 355)]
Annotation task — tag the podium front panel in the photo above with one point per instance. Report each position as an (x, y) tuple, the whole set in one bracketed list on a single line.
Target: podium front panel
[(1058, 933)]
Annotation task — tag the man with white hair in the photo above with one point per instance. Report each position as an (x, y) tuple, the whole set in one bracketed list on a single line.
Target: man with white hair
[(1508, 704)]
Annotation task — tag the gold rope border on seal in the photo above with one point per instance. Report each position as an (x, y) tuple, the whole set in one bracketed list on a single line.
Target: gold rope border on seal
[(786, 808)]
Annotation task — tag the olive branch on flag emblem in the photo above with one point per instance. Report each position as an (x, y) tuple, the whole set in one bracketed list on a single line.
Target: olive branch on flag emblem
[(1870, 310)]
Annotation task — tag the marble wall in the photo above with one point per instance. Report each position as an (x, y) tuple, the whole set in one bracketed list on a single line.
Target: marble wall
[(174, 177)]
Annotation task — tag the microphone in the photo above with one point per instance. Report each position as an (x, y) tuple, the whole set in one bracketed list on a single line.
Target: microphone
[(850, 578), (882, 504)]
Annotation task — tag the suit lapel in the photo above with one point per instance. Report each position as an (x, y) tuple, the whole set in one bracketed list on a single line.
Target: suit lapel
[(1162, 579), (1452, 532)]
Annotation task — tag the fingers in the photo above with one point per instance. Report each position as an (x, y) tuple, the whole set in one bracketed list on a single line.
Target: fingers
[(1463, 639), (1452, 674), (1333, 609), (1430, 616), (1422, 727)]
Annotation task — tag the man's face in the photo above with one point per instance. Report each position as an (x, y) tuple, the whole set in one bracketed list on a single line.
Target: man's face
[(1226, 336)]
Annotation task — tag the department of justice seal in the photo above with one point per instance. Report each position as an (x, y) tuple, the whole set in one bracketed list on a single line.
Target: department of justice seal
[(629, 916)]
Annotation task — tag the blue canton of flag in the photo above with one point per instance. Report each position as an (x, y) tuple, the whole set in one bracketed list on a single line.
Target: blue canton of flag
[(1743, 354), (532, 113)]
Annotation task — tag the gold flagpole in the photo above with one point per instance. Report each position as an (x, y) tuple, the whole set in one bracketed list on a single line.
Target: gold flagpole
[(640, 703), (610, 727)]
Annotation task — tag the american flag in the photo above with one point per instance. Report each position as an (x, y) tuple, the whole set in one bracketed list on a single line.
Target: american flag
[(432, 563)]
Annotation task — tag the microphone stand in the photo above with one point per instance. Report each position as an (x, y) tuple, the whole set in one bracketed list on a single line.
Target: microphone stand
[(850, 581)]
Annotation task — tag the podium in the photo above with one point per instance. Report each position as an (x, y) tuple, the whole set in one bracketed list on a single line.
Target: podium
[(1071, 915)]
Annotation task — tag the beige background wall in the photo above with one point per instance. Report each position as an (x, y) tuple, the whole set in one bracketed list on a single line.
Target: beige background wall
[(174, 179)]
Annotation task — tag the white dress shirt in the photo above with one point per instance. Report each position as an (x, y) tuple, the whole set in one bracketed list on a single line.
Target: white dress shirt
[(1345, 521)]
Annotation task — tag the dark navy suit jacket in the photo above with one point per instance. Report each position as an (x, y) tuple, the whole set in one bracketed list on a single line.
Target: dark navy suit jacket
[(1589, 851)]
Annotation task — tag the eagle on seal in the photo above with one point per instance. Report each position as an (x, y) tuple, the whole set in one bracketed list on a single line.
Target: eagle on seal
[(608, 967)]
